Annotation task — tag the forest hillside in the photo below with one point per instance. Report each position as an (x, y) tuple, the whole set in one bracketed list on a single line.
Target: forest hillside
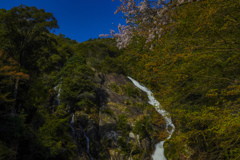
[(188, 54), (61, 99)]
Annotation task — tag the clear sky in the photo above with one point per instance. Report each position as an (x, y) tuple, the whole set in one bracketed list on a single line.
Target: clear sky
[(77, 19)]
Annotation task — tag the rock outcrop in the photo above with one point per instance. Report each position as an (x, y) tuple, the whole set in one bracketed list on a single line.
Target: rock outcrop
[(122, 127)]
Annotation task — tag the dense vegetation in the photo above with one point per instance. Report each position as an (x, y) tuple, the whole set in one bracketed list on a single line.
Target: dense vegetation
[(35, 65), (193, 67)]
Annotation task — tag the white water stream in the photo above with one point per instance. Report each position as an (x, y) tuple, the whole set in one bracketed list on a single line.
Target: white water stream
[(72, 119), (159, 150), (87, 139), (58, 90)]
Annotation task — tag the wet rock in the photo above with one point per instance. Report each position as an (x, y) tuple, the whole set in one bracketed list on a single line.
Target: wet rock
[(104, 132)]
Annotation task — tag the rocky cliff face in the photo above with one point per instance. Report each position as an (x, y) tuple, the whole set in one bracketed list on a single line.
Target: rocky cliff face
[(122, 128)]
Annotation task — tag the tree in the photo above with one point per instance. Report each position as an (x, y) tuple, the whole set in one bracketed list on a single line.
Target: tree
[(78, 87), (23, 32), (194, 69), (8, 74), (145, 18)]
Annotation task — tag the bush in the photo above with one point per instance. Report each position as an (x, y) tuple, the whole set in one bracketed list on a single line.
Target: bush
[(122, 124), (130, 90)]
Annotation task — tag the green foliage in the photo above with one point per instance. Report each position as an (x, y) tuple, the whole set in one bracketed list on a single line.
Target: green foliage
[(29, 130), (77, 84), (122, 124), (114, 87), (103, 55), (32, 62), (194, 69), (111, 65), (8, 74), (56, 54), (52, 134), (6, 153), (128, 90), (24, 34), (125, 148), (131, 91), (143, 127), (108, 111)]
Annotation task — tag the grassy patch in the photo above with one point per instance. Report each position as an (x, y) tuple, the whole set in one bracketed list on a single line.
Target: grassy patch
[(113, 86)]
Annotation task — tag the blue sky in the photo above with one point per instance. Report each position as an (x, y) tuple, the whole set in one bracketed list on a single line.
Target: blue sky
[(77, 19)]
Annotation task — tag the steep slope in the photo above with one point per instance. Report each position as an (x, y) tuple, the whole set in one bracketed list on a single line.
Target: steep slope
[(124, 128)]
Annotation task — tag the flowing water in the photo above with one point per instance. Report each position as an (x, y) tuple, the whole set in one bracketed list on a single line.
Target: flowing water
[(87, 139), (58, 89), (159, 150), (72, 119), (71, 126)]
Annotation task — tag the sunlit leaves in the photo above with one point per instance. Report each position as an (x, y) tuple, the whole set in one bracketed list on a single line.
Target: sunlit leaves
[(8, 74), (24, 32), (194, 70)]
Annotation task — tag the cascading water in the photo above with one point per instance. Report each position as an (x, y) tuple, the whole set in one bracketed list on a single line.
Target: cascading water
[(159, 150), (72, 119), (87, 139), (87, 142), (71, 126), (57, 88), (76, 134)]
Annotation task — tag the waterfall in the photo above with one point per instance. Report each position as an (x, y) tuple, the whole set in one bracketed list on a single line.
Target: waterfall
[(72, 119), (88, 142), (159, 150), (71, 126), (87, 139), (57, 88)]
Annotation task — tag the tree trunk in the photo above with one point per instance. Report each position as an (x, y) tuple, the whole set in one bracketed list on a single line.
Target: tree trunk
[(16, 88), (13, 112)]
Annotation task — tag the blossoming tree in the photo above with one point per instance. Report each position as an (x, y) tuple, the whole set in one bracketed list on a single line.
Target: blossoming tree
[(145, 18)]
